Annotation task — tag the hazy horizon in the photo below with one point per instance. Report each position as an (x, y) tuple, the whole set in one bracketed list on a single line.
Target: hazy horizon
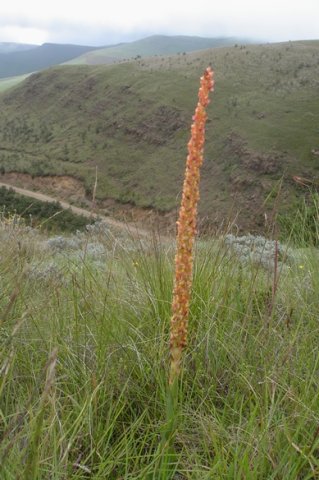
[(133, 40), (99, 24), (244, 39)]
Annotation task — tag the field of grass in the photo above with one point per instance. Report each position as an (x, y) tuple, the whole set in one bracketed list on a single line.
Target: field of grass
[(84, 334), (132, 121)]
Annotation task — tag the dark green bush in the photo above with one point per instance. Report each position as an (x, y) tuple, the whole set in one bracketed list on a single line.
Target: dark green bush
[(47, 215)]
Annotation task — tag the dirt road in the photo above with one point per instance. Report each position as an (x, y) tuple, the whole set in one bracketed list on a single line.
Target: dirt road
[(77, 210)]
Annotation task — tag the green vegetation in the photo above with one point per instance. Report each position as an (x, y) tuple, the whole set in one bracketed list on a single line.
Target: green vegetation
[(301, 226), (84, 364), (48, 216), (132, 121)]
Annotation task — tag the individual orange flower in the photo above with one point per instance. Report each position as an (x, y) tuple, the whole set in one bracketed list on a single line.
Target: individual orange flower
[(186, 228)]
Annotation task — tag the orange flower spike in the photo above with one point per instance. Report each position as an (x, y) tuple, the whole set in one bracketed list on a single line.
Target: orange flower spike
[(186, 228)]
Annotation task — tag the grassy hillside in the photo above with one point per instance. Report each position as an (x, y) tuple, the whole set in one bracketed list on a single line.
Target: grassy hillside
[(154, 45), (84, 360), (31, 60), (132, 120)]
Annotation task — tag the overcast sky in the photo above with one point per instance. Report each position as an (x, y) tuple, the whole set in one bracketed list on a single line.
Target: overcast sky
[(103, 22)]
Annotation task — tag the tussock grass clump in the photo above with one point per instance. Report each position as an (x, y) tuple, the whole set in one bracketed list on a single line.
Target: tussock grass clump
[(83, 366)]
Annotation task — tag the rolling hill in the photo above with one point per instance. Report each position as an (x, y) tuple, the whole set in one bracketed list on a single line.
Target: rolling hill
[(132, 121), (21, 61), (151, 46)]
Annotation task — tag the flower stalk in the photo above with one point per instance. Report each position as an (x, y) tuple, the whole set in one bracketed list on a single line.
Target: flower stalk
[(186, 228)]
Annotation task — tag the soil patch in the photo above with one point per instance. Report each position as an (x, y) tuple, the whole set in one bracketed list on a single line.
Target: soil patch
[(63, 187), (262, 163), (143, 217)]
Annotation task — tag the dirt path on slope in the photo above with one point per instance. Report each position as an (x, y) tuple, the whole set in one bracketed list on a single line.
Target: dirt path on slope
[(130, 228)]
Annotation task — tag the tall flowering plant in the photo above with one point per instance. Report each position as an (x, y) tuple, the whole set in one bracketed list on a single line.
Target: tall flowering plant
[(186, 228)]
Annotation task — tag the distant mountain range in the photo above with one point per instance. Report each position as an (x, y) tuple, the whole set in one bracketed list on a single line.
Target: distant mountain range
[(9, 47), (18, 59), (27, 59)]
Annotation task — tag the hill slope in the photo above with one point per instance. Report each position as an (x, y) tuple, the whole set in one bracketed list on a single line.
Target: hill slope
[(37, 58), (150, 46), (132, 121)]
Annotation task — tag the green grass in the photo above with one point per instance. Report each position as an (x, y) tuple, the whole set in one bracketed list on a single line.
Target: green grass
[(84, 362), (133, 119)]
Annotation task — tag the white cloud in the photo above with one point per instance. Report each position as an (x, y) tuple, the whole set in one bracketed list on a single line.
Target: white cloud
[(23, 34), (101, 22)]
